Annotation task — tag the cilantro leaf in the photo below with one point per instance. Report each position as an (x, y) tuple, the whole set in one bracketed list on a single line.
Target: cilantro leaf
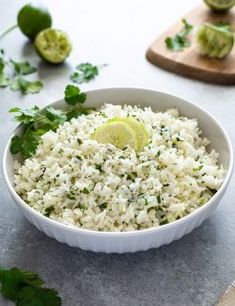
[(85, 72), (25, 115), (17, 82), (223, 25), (23, 68), (180, 40), (14, 279), (25, 86), (25, 144), (55, 115), (31, 296), (29, 143), (16, 144), (73, 96), (25, 289), (75, 113), (4, 80), (36, 122)]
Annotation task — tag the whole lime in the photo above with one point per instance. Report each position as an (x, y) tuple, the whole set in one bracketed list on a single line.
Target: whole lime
[(33, 19)]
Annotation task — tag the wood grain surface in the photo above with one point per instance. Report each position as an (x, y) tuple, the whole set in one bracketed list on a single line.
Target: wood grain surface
[(189, 62)]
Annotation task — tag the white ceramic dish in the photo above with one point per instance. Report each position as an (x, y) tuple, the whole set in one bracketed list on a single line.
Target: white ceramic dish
[(110, 242)]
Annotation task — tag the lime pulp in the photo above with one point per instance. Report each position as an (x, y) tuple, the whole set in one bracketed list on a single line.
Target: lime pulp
[(139, 129), (122, 132), (119, 134), (214, 41), (53, 45), (220, 5)]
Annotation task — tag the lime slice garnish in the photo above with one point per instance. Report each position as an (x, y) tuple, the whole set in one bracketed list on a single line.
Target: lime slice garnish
[(53, 45), (220, 5), (118, 133), (33, 19), (139, 129), (215, 41)]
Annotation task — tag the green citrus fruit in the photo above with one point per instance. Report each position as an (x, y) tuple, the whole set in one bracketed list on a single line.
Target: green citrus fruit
[(220, 5), (33, 19), (215, 41), (53, 45), (139, 129), (118, 133)]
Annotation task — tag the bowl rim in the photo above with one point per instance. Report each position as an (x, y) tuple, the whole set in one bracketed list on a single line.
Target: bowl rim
[(117, 234)]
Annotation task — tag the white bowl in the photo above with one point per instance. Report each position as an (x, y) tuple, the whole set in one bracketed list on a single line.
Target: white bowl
[(120, 242)]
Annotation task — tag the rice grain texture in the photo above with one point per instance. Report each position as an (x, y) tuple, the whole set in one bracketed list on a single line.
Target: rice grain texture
[(79, 182)]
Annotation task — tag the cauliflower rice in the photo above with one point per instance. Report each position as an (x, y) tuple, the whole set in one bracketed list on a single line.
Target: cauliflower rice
[(79, 182)]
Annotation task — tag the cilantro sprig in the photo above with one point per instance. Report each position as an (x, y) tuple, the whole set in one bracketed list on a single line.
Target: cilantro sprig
[(85, 72), (15, 77), (25, 288), (36, 122), (180, 40)]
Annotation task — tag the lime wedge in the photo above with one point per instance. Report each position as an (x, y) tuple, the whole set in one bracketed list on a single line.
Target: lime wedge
[(139, 129), (118, 133), (215, 41), (53, 45), (220, 5)]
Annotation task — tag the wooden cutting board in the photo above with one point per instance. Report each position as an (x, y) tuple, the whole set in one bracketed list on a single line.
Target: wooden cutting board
[(228, 299), (188, 62)]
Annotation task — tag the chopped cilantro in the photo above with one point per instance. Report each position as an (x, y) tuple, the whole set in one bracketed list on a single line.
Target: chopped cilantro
[(103, 206), (198, 168), (159, 199), (49, 210), (180, 40), (85, 190), (71, 197)]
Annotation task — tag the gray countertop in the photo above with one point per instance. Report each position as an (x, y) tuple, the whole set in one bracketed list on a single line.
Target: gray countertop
[(193, 271)]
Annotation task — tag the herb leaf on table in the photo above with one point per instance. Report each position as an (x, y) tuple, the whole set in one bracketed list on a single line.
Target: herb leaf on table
[(85, 72), (4, 80), (23, 68), (180, 40), (25, 288), (17, 81), (34, 296)]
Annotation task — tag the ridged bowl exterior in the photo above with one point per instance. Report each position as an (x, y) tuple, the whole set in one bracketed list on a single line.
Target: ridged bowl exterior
[(121, 242)]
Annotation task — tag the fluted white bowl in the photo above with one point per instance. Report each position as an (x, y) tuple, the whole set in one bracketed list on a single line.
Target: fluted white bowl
[(132, 241)]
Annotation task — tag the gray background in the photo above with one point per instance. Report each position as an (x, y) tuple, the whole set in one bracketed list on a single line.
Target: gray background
[(190, 272)]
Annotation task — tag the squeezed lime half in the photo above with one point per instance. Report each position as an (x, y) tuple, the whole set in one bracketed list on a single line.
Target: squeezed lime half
[(220, 5), (118, 133), (139, 129), (53, 45), (215, 41)]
